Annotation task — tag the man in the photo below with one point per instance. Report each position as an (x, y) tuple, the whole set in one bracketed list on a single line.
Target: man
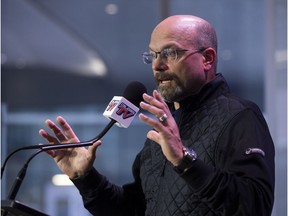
[(209, 153)]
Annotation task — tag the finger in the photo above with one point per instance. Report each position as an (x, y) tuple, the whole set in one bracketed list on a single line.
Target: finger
[(155, 105), (151, 122), (92, 149), (47, 136), (154, 136), (56, 130), (51, 153), (158, 96), (66, 127), (161, 115), (153, 101), (152, 109), (156, 99)]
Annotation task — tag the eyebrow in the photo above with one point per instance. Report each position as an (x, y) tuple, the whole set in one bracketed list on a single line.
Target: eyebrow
[(167, 46)]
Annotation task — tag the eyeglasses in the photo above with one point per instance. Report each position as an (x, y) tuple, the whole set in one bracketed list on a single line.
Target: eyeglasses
[(168, 55)]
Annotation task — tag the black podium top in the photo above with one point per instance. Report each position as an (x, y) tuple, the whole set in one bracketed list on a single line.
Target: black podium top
[(14, 207)]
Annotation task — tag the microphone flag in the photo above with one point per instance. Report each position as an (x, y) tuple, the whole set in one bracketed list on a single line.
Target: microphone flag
[(121, 110)]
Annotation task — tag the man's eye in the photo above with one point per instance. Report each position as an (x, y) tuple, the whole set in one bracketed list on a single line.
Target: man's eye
[(167, 52), (152, 55)]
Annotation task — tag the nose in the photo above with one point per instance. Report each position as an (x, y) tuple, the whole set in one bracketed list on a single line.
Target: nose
[(159, 65)]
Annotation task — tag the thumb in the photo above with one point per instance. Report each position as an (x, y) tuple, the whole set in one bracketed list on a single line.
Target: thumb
[(154, 135), (92, 149)]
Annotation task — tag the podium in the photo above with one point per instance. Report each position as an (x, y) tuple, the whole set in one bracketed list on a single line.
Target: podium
[(14, 207)]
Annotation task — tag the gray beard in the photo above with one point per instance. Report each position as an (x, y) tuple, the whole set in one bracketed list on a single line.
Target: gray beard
[(171, 94)]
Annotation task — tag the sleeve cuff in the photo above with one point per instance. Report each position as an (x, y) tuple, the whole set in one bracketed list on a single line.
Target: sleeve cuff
[(197, 175), (89, 181)]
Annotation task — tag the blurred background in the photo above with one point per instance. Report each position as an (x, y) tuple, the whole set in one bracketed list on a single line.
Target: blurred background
[(71, 57)]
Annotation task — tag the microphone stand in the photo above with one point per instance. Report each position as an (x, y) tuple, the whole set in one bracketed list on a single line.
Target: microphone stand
[(11, 205)]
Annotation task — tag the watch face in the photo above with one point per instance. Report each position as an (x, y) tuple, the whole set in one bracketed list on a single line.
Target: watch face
[(189, 157), (190, 152)]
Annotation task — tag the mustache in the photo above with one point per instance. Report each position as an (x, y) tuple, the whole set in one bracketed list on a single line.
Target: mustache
[(165, 76)]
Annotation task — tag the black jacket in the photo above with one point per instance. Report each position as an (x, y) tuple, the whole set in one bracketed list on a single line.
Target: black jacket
[(233, 175)]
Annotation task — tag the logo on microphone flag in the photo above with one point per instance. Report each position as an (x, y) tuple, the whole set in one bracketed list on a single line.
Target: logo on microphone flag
[(121, 110)]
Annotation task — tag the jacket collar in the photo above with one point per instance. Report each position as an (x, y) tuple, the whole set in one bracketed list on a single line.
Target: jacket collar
[(209, 91)]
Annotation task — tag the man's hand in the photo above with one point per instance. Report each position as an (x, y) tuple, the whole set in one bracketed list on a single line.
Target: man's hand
[(166, 133), (74, 162)]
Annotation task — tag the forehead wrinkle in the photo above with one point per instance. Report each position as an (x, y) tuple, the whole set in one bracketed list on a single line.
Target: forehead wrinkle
[(179, 34)]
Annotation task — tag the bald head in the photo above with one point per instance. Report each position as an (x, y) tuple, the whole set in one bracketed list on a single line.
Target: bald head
[(193, 62), (193, 31)]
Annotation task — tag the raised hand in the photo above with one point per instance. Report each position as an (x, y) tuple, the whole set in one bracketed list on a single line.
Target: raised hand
[(166, 132), (74, 162)]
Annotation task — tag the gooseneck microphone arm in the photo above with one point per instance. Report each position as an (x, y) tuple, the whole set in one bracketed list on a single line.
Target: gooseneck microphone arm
[(79, 144), (46, 147)]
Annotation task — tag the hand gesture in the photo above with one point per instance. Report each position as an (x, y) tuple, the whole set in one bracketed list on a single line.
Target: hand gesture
[(74, 162), (166, 132)]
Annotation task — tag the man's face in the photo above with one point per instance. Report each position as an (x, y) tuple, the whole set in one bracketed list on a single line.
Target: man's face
[(176, 78)]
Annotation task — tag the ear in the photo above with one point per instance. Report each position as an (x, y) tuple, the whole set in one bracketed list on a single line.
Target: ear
[(209, 58)]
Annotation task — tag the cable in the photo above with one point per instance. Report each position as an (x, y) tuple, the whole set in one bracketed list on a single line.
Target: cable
[(20, 177)]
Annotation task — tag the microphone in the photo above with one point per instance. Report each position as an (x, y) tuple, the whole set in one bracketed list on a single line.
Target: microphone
[(121, 111)]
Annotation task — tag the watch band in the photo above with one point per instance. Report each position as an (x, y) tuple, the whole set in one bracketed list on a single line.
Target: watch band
[(188, 158)]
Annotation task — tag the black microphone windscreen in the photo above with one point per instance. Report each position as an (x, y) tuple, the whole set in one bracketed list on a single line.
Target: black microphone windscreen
[(134, 92)]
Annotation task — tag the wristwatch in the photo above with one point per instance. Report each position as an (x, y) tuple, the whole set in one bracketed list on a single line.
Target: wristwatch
[(189, 157)]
